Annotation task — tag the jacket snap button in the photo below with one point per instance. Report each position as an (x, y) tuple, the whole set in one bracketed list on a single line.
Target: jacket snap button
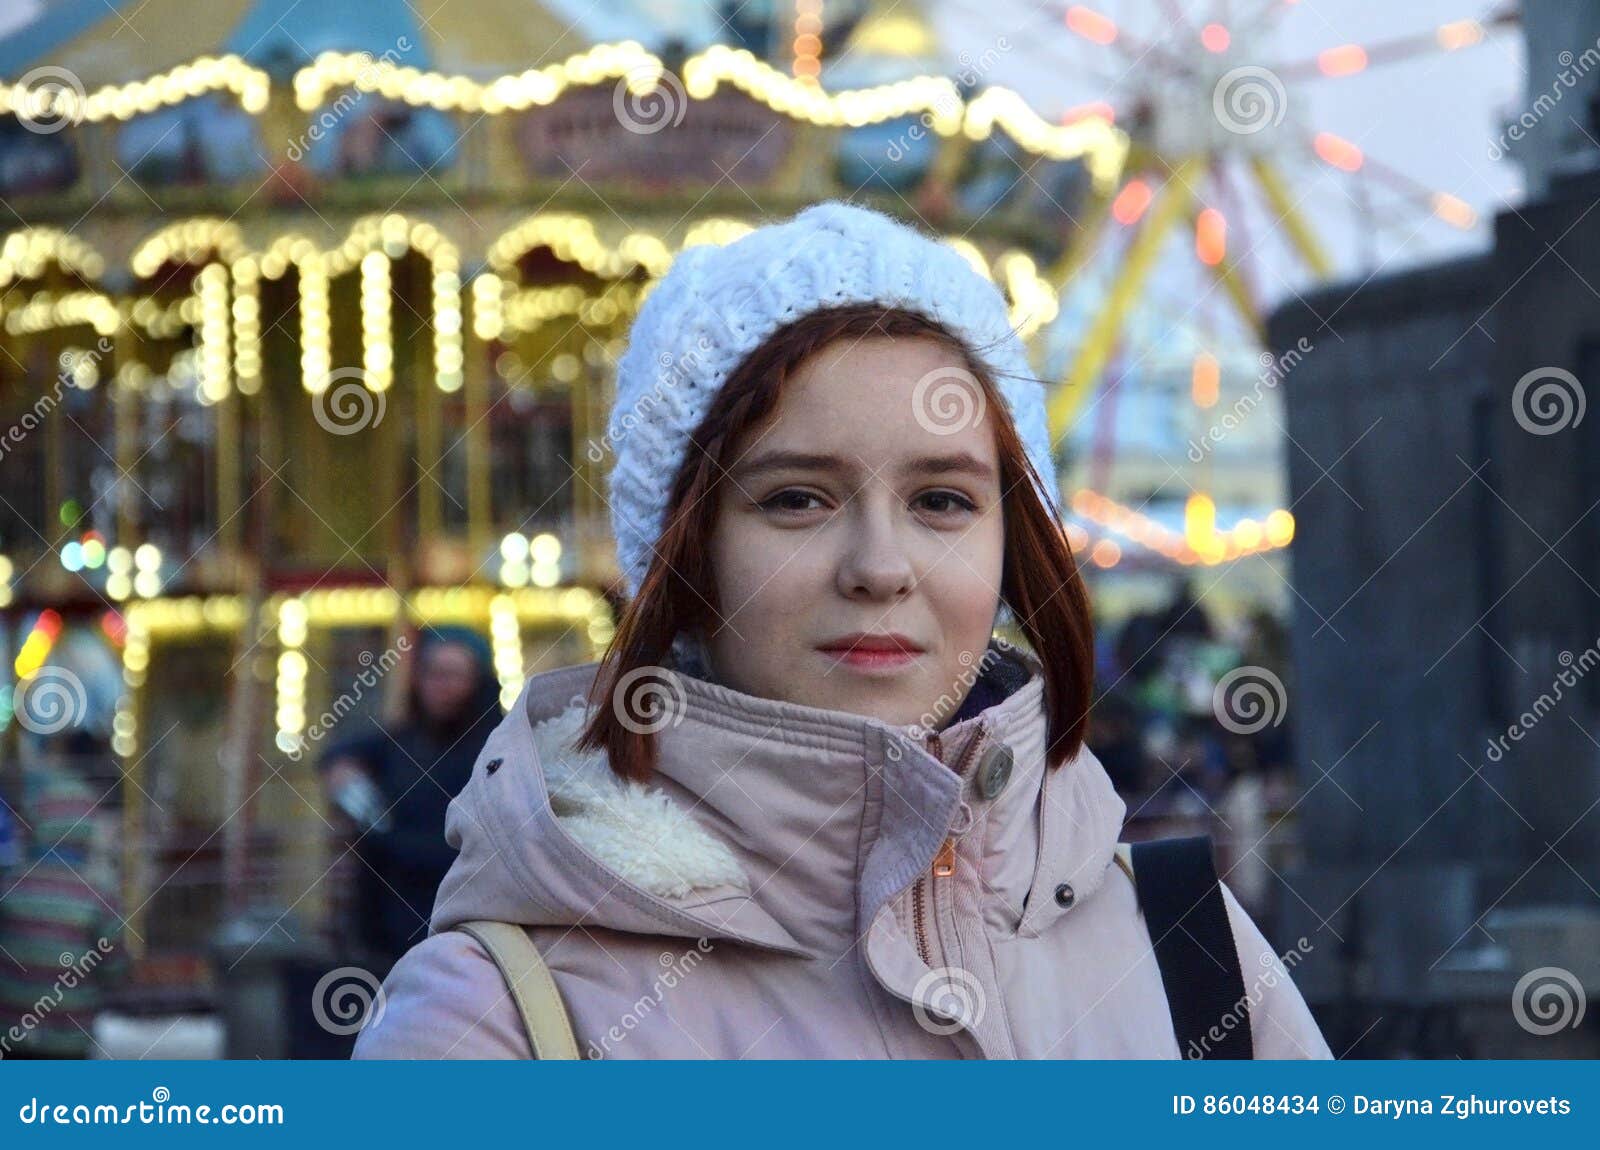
[(492, 766), (994, 771), (1064, 895)]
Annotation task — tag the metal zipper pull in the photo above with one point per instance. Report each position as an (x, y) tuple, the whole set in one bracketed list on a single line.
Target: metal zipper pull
[(944, 863)]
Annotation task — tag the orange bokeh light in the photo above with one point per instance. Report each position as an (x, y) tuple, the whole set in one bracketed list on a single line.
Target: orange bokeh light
[(1131, 202), (1338, 151), (1206, 380), (1091, 25), (1211, 237), (1215, 37), (1344, 60)]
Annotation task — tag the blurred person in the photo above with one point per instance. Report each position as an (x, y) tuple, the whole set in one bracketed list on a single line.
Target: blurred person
[(1245, 812), (60, 930), (1114, 737), (10, 838), (393, 783), (809, 804)]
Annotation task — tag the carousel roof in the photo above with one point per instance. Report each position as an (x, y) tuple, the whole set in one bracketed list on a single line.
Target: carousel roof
[(116, 41)]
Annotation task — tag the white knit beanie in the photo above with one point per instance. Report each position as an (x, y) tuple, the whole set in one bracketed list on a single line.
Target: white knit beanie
[(716, 305)]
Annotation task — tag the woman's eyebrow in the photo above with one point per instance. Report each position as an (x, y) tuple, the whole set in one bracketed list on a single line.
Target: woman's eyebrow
[(793, 461), (960, 462)]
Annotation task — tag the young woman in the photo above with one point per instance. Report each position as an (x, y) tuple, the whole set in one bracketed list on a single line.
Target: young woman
[(808, 805)]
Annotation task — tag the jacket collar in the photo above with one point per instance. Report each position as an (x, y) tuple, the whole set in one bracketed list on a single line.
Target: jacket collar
[(766, 819)]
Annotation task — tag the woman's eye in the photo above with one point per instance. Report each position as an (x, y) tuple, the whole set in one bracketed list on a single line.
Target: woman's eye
[(792, 501), (946, 503)]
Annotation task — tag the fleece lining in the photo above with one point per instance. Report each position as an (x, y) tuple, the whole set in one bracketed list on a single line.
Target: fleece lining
[(636, 830)]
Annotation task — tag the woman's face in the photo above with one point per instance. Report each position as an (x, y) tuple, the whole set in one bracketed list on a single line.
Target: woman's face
[(869, 505), (447, 676)]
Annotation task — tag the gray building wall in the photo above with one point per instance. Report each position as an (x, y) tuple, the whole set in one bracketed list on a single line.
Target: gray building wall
[(1445, 566)]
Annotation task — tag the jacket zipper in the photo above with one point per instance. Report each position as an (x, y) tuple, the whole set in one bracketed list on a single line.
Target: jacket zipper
[(944, 863)]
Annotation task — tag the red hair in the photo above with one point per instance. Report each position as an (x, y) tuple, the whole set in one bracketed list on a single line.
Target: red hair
[(1040, 582)]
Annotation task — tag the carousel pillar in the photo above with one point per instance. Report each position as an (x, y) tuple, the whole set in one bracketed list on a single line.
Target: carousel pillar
[(587, 508), (430, 492), (485, 330), (230, 432), (237, 756), (125, 413)]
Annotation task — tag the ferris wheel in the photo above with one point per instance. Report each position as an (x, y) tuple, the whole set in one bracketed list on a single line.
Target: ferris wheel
[(1219, 146)]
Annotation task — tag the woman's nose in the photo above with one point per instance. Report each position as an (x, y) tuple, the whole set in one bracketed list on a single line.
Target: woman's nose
[(876, 563)]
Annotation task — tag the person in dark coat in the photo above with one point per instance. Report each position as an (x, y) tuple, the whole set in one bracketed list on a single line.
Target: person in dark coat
[(395, 782)]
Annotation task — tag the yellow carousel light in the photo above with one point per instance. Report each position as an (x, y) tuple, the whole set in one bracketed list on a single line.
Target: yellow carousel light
[(545, 548), (214, 332), (487, 315), (506, 636), (315, 341), (247, 325), (1280, 528)]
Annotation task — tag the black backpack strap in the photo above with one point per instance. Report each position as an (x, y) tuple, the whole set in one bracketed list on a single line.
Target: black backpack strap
[(1188, 923)]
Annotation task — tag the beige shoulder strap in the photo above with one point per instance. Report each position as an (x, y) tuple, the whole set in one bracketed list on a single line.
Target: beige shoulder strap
[(532, 988), (1125, 861)]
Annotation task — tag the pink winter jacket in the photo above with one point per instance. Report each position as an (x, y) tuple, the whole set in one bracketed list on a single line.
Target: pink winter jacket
[(783, 889)]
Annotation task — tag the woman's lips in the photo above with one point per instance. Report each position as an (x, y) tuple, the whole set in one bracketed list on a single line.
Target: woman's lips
[(877, 658)]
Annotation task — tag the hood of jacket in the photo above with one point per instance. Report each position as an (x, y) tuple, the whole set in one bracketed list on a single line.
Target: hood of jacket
[(767, 823)]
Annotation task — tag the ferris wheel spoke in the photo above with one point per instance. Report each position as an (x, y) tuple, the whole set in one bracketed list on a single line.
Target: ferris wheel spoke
[(1226, 275), (1233, 201), (1340, 153), (1169, 206), (1098, 28), (1296, 228), (1351, 59), (1177, 15)]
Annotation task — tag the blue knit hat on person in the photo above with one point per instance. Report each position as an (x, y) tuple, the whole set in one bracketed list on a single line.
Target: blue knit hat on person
[(716, 305)]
